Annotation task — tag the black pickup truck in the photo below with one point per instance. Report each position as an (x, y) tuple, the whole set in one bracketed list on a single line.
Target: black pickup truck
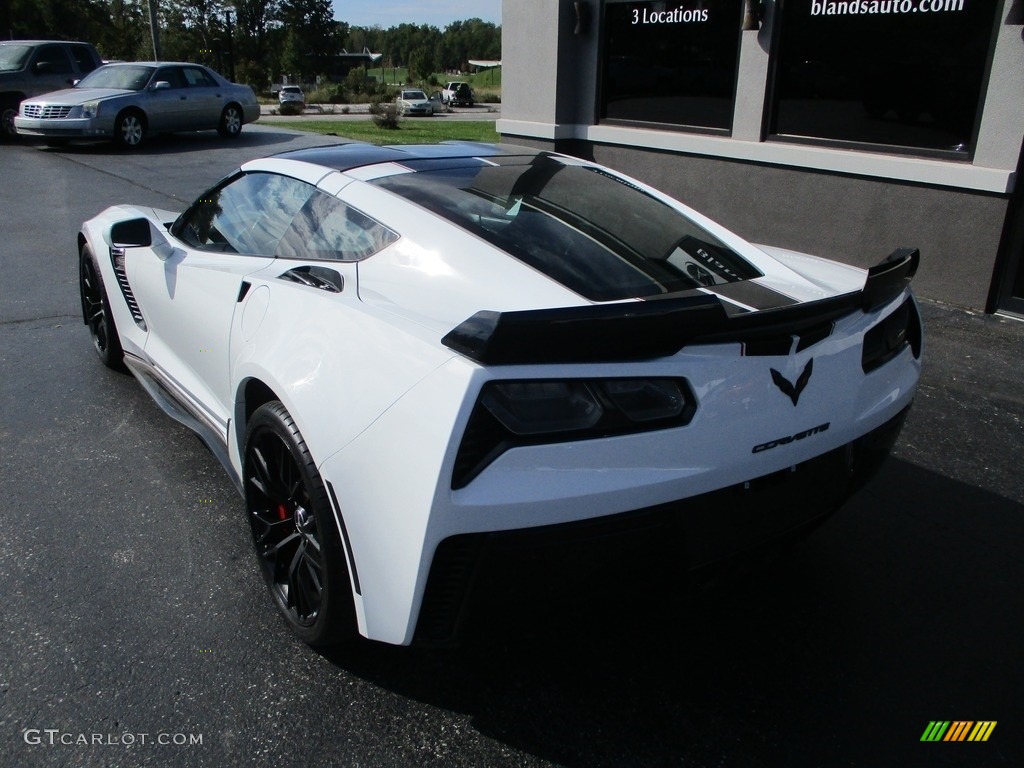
[(32, 67)]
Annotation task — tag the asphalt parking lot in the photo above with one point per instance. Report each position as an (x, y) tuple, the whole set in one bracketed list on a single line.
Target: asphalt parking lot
[(133, 610)]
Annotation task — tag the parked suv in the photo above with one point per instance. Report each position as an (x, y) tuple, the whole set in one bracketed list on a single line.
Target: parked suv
[(291, 93), (33, 67), (458, 94)]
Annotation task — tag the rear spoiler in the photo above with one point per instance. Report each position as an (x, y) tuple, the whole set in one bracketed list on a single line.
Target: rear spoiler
[(643, 330)]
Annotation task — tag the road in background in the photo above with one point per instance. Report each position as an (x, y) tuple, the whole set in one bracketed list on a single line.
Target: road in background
[(481, 112), (133, 608)]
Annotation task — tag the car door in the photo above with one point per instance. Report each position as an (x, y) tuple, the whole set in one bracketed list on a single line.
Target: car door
[(189, 287), (50, 70), (167, 106), (84, 59), (206, 99)]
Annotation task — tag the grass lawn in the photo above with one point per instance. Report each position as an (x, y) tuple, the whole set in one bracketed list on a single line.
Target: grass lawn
[(411, 131)]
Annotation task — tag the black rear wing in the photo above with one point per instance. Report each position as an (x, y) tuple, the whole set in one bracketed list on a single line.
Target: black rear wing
[(644, 330)]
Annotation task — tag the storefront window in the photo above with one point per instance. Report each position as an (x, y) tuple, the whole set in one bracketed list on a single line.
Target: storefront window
[(900, 73), (671, 62)]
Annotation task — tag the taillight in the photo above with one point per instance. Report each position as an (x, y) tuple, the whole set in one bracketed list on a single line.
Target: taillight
[(514, 413), (894, 333)]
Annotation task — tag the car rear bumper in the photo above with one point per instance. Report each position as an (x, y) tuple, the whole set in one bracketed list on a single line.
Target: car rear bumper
[(678, 541)]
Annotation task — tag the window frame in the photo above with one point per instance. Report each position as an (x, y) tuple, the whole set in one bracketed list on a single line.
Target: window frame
[(770, 107), (600, 105), (38, 58), (182, 222)]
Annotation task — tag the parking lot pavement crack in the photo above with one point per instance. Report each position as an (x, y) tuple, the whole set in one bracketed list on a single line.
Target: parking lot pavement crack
[(39, 319), (121, 178)]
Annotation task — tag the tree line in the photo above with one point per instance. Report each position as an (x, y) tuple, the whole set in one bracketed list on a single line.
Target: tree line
[(259, 40)]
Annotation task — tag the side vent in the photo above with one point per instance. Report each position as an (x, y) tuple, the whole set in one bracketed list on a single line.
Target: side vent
[(117, 259), (324, 278)]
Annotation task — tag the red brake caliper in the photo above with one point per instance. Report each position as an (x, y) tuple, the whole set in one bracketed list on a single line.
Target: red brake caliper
[(282, 512)]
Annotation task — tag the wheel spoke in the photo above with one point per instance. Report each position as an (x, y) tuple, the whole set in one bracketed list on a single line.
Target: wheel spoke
[(295, 590), (269, 478), (272, 528), (279, 546), (94, 312), (260, 479), (304, 586)]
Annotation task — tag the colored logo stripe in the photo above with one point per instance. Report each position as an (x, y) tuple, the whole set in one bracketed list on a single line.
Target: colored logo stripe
[(958, 730), (982, 730)]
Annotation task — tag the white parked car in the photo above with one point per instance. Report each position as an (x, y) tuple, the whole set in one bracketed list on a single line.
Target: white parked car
[(412, 101), (424, 364), (291, 94), (126, 102)]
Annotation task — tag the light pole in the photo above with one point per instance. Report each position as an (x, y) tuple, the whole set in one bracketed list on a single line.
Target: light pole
[(154, 29)]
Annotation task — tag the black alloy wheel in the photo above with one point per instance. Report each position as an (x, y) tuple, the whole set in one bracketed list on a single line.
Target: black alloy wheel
[(293, 530), (96, 312), (8, 111)]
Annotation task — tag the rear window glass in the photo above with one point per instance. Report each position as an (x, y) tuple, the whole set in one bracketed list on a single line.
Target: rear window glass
[(13, 57), (594, 233)]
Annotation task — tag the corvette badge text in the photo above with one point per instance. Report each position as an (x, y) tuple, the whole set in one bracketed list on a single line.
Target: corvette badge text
[(790, 438), (52, 737)]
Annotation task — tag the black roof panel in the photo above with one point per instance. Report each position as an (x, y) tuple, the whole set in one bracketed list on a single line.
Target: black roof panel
[(344, 157)]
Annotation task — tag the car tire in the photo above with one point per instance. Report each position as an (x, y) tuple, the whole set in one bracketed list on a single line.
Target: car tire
[(8, 111), (294, 531), (230, 124), (96, 311), (130, 129)]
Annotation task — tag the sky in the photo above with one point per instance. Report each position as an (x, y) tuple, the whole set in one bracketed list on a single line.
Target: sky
[(391, 13)]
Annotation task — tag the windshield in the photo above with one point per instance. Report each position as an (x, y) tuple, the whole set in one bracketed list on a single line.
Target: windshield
[(13, 57), (414, 95), (596, 234), (132, 77)]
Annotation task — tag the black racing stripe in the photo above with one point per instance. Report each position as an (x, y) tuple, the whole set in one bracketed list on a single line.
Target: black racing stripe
[(752, 294)]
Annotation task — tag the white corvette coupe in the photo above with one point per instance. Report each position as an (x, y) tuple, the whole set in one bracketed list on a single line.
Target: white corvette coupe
[(428, 367)]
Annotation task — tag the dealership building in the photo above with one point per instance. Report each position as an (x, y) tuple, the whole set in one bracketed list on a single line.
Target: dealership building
[(843, 128)]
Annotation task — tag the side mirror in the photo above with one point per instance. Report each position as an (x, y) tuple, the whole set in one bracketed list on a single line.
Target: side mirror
[(134, 233), (161, 85), (140, 233)]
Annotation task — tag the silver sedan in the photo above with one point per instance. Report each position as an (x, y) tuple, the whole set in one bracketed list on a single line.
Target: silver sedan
[(127, 102)]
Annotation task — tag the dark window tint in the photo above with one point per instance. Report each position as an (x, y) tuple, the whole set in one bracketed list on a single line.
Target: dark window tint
[(326, 228), (51, 60), (905, 73), (83, 58), (594, 233), (247, 215), (199, 78), (171, 75), (671, 63)]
